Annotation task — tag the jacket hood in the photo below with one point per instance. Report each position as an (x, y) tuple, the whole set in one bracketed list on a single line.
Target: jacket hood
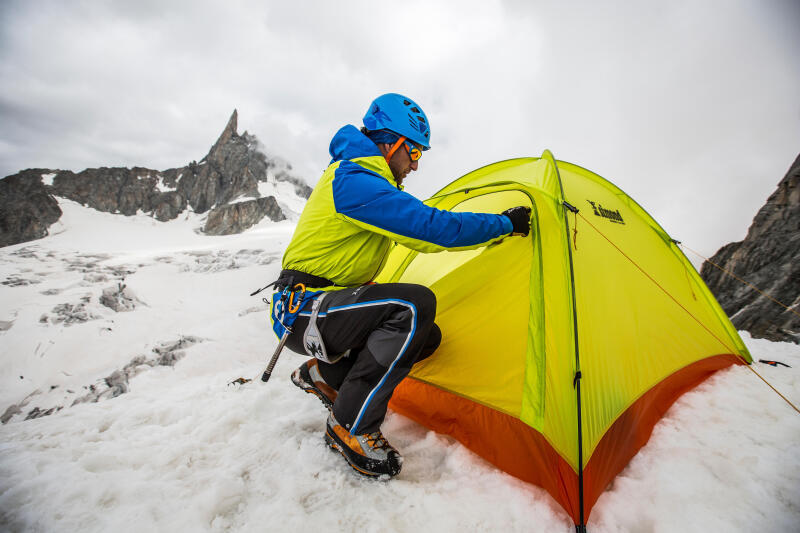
[(350, 143)]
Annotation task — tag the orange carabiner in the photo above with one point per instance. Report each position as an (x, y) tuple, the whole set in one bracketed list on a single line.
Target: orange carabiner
[(296, 308)]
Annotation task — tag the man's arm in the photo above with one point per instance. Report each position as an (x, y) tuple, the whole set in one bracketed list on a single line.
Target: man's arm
[(372, 203)]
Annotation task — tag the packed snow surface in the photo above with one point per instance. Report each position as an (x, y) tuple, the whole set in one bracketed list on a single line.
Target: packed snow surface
[(163, 187), (142, 324), (284, 193), (47, 179)]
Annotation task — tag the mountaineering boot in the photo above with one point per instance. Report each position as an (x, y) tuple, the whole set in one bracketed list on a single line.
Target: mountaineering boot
[(369, 454), (308, 378)]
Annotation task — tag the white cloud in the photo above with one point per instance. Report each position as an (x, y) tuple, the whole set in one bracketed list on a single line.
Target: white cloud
[(688, 106)]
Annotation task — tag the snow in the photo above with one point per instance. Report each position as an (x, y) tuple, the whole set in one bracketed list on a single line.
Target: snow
[(183, 451), (47, 179), (288, 200), (162, 187)]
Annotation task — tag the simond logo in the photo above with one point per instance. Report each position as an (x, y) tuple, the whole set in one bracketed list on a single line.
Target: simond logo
[(613, 216), (315, 349)]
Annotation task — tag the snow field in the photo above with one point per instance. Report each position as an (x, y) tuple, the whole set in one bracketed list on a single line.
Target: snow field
[(182, 450)]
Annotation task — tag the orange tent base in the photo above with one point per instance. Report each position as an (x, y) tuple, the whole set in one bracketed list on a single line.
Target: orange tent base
[(523, 452)]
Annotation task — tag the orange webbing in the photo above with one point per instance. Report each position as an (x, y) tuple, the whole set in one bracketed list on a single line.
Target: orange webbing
[(501, 439)]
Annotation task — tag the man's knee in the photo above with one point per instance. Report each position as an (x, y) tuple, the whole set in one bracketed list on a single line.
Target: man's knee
[(424, 301), (431, 343)]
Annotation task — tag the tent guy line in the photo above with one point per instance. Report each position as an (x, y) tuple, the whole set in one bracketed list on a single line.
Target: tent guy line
[(643, 271), (679, 243), (749, 366)]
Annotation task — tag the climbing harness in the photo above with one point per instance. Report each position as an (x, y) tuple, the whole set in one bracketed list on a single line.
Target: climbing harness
[(290, 298), (285, 309)]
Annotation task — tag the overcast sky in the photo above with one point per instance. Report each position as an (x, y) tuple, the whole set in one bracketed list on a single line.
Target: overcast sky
[(691, 107)]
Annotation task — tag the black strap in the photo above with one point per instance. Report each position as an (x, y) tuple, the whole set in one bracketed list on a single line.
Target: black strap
[(263, 288), (773, 363), (292, 277)]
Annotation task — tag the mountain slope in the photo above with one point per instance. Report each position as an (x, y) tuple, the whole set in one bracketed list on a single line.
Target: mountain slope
[(233, 183), (768, 258)]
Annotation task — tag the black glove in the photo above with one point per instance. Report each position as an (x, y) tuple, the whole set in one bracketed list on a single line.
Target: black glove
[(520, 217)]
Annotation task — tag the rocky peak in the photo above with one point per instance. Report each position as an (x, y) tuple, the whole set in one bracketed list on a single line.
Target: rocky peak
[(768, 258), (230, 170), (217, 152), (780, 213)]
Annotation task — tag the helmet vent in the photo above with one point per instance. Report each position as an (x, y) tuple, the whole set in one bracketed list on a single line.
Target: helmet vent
[(406, 102)]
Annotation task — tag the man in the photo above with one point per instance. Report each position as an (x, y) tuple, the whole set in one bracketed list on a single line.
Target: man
[(365, 337)]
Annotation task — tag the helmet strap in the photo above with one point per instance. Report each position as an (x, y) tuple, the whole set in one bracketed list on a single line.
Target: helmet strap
[(394, 148)]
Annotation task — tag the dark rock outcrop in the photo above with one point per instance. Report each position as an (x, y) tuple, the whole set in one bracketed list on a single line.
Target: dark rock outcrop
[(27, 208), (119, 190), (768, 258), (120, 298), (235, 218), (232, 169)]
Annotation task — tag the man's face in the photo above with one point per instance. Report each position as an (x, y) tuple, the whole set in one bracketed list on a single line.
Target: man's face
[(400, 163)]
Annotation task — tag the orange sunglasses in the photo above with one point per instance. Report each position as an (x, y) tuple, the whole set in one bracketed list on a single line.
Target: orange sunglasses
[(413, 152)]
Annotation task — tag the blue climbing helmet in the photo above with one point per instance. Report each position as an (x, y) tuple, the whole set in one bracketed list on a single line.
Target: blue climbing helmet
[(401, 115)]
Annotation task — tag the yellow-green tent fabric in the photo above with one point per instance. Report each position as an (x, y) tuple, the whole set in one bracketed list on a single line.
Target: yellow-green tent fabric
[(560, 350)]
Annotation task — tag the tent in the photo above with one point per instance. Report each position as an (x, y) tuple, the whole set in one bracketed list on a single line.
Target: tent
[(563, 349)]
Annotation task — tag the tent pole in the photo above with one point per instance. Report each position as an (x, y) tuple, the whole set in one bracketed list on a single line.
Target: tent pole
[(576, 382)]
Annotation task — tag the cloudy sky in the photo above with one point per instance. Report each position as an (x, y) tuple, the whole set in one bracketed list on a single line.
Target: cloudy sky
[(692, 107)]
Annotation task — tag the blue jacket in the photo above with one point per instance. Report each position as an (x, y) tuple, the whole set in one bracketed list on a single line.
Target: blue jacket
[(357, 210)]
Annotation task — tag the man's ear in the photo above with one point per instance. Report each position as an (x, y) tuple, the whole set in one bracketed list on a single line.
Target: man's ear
[(384, 148)]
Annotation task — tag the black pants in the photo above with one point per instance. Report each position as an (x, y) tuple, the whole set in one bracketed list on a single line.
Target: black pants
[(387, 328)]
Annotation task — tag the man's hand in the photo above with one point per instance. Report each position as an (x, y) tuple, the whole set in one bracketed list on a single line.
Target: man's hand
[(520, 217)]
